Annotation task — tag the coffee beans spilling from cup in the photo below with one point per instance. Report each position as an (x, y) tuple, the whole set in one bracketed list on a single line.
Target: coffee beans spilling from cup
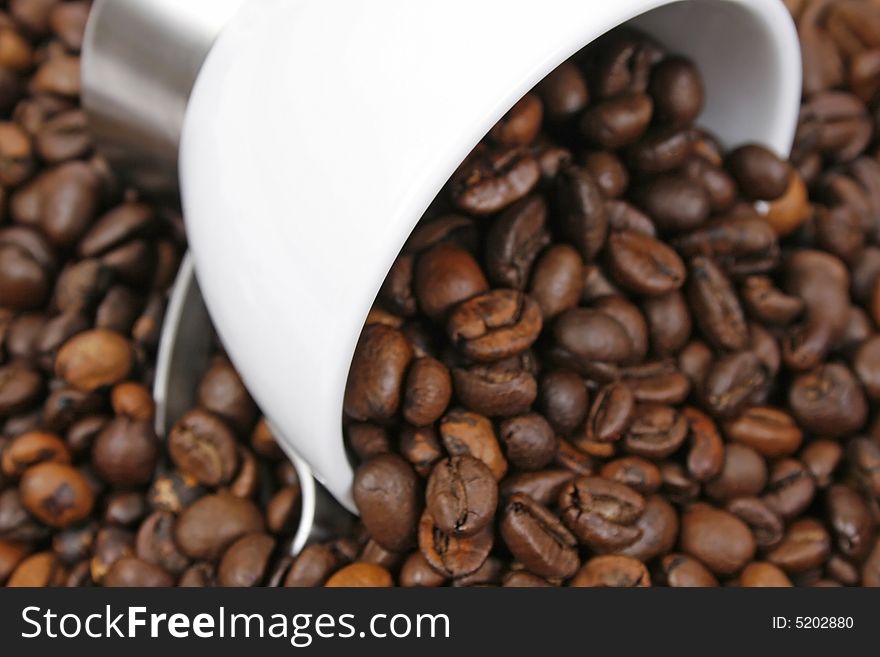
[(612, 353)]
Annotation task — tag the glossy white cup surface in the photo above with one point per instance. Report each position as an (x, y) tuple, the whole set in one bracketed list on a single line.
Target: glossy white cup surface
[(319, 131)]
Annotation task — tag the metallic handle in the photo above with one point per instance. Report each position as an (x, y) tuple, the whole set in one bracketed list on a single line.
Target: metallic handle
[(140, 60)]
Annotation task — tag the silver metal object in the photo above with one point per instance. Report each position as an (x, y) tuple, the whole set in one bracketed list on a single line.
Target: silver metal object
[(140, 61), (184, 355)]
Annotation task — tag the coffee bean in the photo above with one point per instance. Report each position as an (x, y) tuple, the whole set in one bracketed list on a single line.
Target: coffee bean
[(761, 175), (564, 92), (543, 486), (201, 445), (580, 211), (717, 538), (222, 391), (617, 121), (461, 495), (611, 414), (609, 173), (56, 494), (360, 575), (601, 513), (384, 481), (822, 458), (767, 527), (155, 543), (246, 561), (94, 359), (715, 305), (769, 431), (451, 555), (421, 447), (805, 545), (514, 241), (732, 382), (612, 570), (529, 441), (563, 399), (639, 474), (677, 89), (467, 433), (212, 523), (828, 401), (557, 282), (790, 488), (762, 574), (521, 124), (38, 570), (311, 567), (643, 264), (495, 390), (132, 572), (850, 521), (682, 571), (445, 276), (495, 325), (26, 268), (125, 452), (492, 179), (675, 203), (659, 529), (656, 431), (416, 572), (31, 448), (538, 539), (768, 304), (669, 322), (377, 371), (863, 456), (743, 474)]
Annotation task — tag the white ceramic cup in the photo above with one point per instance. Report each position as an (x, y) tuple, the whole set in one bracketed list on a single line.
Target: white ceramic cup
[(319, 131)]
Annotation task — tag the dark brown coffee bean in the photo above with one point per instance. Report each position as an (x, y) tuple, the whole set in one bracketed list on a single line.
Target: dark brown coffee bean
[(311, 567), (381, 485), (674, 203), (706, 455), (564, 92), (133, 572), (835, 124), (683, 571), (658, 382), (612, 570), (445, 276), (850, 521), (612, 412), (828, 401), (57, 494), (543, 486), (602, 513), (677, 89), (451, 555), (580, 211), (461, 495), (495, 390), (805, 545), (64, 137), (427, 393), (538, 539), (212, 523), (669, 322), (29, 449), (822, 458), (125, 452), (741, 244), (618, 121), (421, 447), (26, 268), (760, 173), (643, 264), (871, 567), (591, 335), (766, 526), (221, 391), (743, 474), (731, 382), (715, 305), (521, 124), (245, 562), (761, 574), (467, 433), (863, 456), (790, 488), (374, 384), (514, 241), (529, 441), (866, 365), (656, 431), (132, 400), (417, 572), (16, 150), (199, 575), (608, 171), (769, 431), (495, 325), (717, 538), (639, 474), (563, 399), (490, 180), (557, 283), (202, 446)]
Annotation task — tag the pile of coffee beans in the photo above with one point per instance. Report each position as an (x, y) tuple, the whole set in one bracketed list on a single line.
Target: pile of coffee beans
[(615, 354), (611, 354)]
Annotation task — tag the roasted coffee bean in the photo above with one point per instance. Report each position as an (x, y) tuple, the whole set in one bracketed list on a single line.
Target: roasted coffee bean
[(669, 322), (761, 574), (421, 447), (608, 171), (850, 521), (495, 390), (461, 495), (563, 398), (659, 530), (212, 523), (514, 241), (761, 175), (538, 539), (416, 572), (768, 304), (706, 455), (26, 268), (94, 359), (717, 538), (592, 335), (529, 441), (246, 561), (715, 305), (29, 449), (822, 458), (360, 575), (451, 555), (675, 203), (677, 89), (828, 401), (427, 393), (495, 325), (377, 371), (790, 488), (658, 382), (385, 482), (467, 433), (644, 265), (731, 382), (155, 543), (767, 527), (201, 445), (492, 179), (612, 412), (20, 388), (769, 431), (656, 431), (863, 457), (133, 572), (617, 121), (557, 283), (743, 474), (56, 494), (580, 211), (639, 474), (445, 276), (612, 570), (222, 392), (805, 545), (543, 486), (602, 513), (38, 570), (125, 452), (742, 244), (521, 124)]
